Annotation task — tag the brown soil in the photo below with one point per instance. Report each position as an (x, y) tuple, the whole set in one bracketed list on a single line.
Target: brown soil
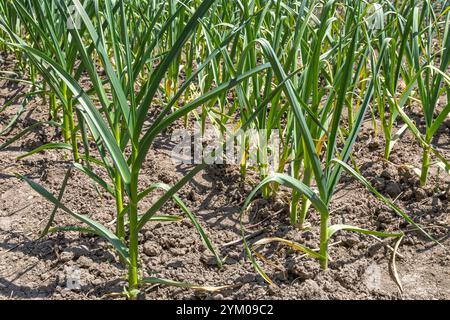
[(359, 267)]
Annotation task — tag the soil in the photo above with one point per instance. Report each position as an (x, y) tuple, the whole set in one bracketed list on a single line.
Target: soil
[(359, 267)]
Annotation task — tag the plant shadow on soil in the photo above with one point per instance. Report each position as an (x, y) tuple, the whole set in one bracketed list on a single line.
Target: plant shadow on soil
[(359, 267)]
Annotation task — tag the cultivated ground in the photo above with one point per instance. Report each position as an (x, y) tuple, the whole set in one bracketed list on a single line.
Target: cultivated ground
[(360, 267)]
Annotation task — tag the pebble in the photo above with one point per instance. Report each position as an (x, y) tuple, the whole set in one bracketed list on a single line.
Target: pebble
[(151, 249), (148, 235), (218, 297), (66, 256), (84, 262), (420, 194)]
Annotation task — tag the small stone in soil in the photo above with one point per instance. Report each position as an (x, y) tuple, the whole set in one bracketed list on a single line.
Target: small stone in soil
[(420, 194), (151, 249), (66, 256), (84, 262), (217, 297)]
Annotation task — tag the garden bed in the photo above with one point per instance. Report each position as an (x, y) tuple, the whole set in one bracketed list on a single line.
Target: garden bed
[(359, 269)]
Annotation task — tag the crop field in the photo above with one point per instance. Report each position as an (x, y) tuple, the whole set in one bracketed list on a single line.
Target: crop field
[(216, 149)]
